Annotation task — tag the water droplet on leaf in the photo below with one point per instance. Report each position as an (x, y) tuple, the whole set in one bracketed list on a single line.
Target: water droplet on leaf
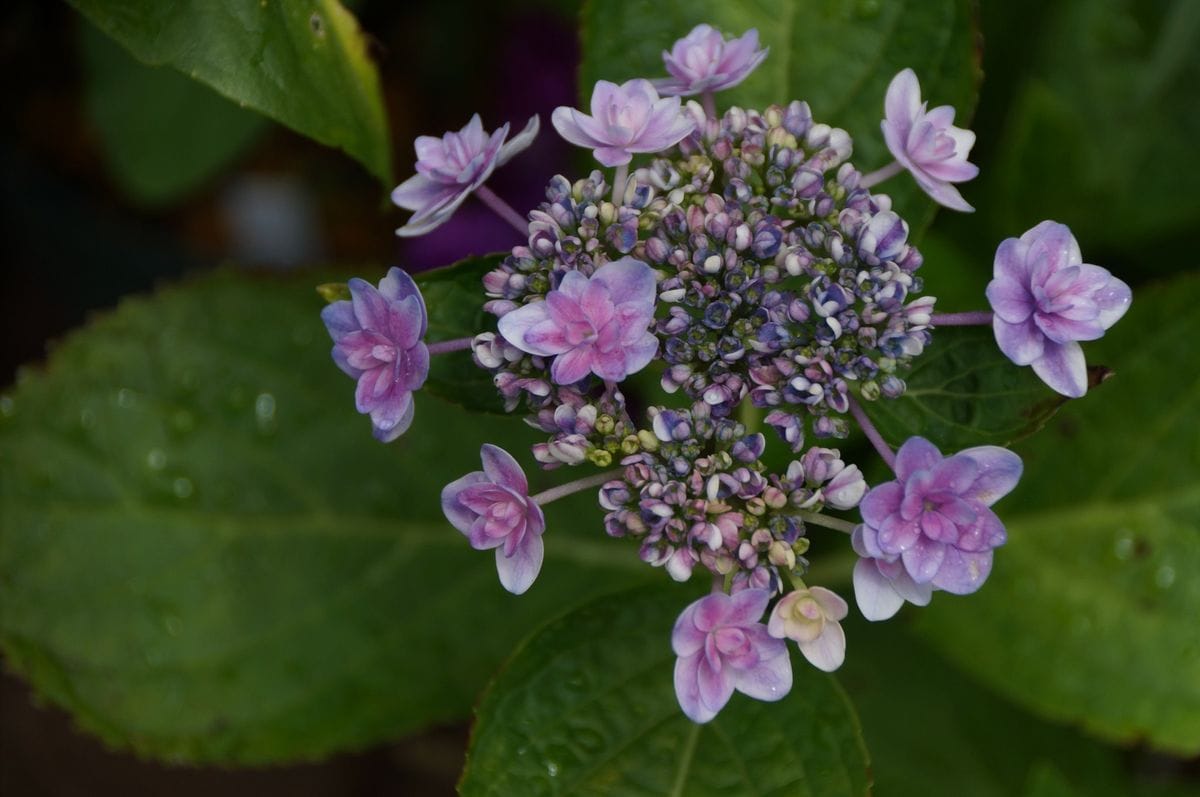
[(182, 487), (156, 459)]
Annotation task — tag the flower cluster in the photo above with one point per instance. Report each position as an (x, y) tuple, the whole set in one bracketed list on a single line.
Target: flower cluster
[(748, 268), (696, 494)]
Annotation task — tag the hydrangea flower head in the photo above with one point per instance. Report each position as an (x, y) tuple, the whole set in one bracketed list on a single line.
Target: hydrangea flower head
[(705, 61), (378, 340), (926, 142), (451, 167), (625, 119), (722, 646), (598, 324), (493, 509), (811, 618), (931, 527), (1046, 300)]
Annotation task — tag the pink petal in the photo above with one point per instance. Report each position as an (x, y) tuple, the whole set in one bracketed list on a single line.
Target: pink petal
[(502, 469), (687, 689), (1010, 300), (459, 516), (1022, 343), (629, 281), (1063, 368), (902, 102), (923, 559), (517, 572), (747, 607), (515, 325), (999, 472), (828, 651), (873, 592), (881, 502), (1112, 301), (914, 455), (716, 687), (962, 573), (520, 142), (771, 678), (572, 366), (1051, 247), (392, 419), (830, 602)]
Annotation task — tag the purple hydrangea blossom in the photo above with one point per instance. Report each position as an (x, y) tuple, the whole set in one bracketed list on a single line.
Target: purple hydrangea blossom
[(378, 340), (931, 528), (705, 61), (594, 325), (926, 142), (811, 618), (722, 646), (1046, 299), (493, 509), (451, 167), (625, 119)]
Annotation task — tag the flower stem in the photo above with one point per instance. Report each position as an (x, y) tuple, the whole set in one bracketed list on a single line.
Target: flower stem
[(873, 434), (817, 519), (502, 209), (563, 490), (443, 346), (622, 174), (879, 175), (978, 318), (710, 104)]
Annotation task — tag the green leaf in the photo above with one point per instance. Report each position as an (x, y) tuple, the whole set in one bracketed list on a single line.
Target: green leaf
[(1090, 613), (206, 557), (587, 706), (931, 729), (454, 300), (839, 56), (304, 65), (1099, 134), (964, 392), (163, 134)]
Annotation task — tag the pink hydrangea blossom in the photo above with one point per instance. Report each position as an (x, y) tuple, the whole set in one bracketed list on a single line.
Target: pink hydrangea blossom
[(931, 527), (598, 325), (722, 646), (811, 618), (926, 142), (451, 167), (704, 60), (493, 509), (1046, 299), (625, 119), (377, 339)]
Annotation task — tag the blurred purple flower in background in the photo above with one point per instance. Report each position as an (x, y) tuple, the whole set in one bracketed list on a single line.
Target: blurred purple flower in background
[(1046, 299), (493, 509), (625, 119), (926, 142), (931, 527), (377, 337), (705, 61), (598, 324), (722, 646), (451, 167)]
